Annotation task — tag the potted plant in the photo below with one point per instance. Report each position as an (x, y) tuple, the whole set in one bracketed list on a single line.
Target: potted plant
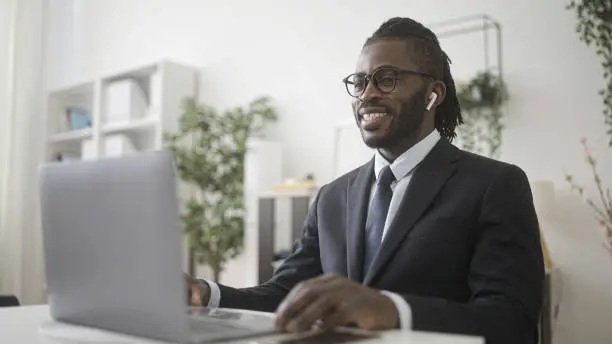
[(594, 28), (603, 208), (209, 151), (481, 100)]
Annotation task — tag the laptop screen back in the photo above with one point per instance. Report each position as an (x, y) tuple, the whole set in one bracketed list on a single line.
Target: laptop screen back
[(112, 245)]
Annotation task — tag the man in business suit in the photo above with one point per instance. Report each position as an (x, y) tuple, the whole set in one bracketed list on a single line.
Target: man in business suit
[(424, 236)]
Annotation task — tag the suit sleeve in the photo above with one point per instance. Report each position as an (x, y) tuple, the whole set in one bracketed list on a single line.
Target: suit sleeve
[(506, 272), (303, 263)]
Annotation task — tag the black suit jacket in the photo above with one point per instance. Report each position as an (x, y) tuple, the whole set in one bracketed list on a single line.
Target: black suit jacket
[(463, 250)]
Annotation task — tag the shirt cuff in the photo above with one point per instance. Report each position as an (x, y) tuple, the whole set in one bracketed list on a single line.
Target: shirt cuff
[(215, 294), (403, 310)]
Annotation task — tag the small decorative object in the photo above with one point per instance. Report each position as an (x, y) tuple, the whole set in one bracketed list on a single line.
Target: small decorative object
[(602, 211), (67, 157), (306, 183), (310, 177), (209, 150), (481, 101), (594, 28), (88, 151), (125, 101), (78, 118), (118, 145)]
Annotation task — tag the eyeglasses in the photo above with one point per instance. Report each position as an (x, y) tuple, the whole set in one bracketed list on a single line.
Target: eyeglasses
[(385, 80)]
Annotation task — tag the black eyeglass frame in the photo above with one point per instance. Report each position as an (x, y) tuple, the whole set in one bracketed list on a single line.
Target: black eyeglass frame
[(396, 73)]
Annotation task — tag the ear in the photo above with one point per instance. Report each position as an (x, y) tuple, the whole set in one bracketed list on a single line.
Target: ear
[(439, 89)]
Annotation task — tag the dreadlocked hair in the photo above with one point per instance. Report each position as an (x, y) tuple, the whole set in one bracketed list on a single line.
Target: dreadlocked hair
[(433, 60)]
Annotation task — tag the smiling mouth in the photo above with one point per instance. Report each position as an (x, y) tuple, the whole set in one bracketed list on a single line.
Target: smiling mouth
[(371, 121)]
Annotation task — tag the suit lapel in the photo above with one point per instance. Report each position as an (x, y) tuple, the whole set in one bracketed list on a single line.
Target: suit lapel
[(425, 184), (358, 194)]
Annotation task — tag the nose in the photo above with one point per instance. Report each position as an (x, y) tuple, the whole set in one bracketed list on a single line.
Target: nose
[(370, 92)]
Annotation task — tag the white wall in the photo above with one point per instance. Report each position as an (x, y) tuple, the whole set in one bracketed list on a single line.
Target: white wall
[(6, 14), (21, 128), (298, 52)]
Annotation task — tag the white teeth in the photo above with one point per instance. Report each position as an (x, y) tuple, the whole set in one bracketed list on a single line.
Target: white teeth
[(373, 116)]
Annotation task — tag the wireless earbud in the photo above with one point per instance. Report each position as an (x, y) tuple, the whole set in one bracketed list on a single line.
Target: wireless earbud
[(432, 100)]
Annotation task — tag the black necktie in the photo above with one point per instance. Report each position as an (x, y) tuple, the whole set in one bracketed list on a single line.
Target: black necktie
[(375, 223)]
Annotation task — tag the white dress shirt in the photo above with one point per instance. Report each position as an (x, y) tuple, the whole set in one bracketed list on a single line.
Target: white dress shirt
[(402, 169)]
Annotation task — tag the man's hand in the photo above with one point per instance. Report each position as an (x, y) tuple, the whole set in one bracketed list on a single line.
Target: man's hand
[(197, 294), (335, 301)]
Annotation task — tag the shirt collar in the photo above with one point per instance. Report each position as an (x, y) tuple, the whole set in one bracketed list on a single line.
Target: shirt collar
[(407, 161)]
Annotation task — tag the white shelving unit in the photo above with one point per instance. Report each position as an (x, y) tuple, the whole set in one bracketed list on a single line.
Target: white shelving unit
[(149, 98), (152, 95)]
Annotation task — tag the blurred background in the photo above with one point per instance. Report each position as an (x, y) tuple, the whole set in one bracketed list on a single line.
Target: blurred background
[(89, 79)]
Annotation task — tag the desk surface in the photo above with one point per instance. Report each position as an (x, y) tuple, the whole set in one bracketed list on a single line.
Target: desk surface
[(33, 325)]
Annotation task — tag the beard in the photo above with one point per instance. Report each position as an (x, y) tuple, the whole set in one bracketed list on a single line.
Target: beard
[(405, 123)]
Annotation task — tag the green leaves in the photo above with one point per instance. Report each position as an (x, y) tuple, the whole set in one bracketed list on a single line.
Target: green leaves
[(481, 100), (594, 28), (209, 151)]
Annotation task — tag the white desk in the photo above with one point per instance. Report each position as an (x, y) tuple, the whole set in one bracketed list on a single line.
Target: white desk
[(23, 325)]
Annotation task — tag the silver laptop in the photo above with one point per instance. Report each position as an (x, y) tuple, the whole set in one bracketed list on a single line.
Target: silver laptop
[(112, 242)]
